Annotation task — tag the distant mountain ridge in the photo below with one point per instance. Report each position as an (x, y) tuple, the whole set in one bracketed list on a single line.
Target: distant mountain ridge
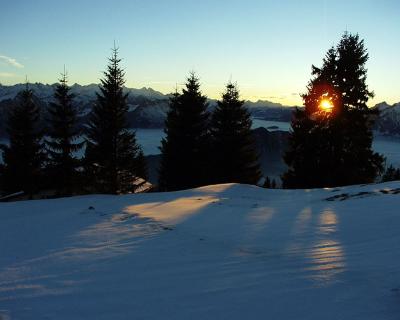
[(148, 108), (388, 121), (45, 91), (85, 93)]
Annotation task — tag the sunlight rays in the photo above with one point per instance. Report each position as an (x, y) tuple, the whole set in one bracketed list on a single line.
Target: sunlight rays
[(327, 258), (174, 211), (326, 105)]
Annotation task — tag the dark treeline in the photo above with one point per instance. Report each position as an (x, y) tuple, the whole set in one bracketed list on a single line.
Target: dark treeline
[(200, 148), (329, 144), (44, 160)]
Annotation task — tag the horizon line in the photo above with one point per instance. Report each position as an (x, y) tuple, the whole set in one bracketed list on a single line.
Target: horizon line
[(210, 97)]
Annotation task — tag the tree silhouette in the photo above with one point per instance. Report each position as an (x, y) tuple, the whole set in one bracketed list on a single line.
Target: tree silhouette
[(185, 149), (62, 141), (391, 174), (267, 183), (113, 158), (24, 156), (334, 148), (234, 156)]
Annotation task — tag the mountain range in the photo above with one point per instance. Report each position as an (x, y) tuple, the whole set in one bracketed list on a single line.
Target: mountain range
[(148, 108), (388, 121)]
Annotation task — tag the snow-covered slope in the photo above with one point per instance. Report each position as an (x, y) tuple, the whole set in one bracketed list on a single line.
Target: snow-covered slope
[(218, 252)]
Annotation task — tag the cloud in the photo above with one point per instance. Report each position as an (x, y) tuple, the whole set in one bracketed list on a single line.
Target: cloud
[(11, 61), (7, 75)]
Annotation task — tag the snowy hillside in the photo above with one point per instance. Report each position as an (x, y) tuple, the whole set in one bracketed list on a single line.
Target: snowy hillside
[(218, 252)]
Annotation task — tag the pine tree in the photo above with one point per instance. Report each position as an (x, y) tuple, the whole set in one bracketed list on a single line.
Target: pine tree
[(362, 165), (185, 149), (234, 155), (322, 86), (24, 156), (267, 183), (391, 174), (113, 158), (62, 141), (334, 148)]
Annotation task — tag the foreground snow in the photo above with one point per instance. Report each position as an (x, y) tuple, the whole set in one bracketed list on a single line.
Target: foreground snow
[(219, 252)]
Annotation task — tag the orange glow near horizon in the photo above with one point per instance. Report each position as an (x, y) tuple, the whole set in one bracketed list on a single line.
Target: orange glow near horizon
[(326, 105)]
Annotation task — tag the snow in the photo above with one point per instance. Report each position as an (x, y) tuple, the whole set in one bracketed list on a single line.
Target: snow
[(217, 252)]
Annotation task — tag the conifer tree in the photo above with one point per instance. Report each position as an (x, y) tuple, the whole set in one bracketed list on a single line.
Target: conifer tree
[(331, 148), (267, 183), (391, 174), (234, 155), (185, 149), (62, 141), (113, 158), (23, 156)]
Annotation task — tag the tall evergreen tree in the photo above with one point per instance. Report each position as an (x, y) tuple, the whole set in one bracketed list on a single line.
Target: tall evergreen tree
[(24, 156), (62, 141), (113, 157), (391, 174), (185, 149), (234, 155), (330, 148), (267, 183)]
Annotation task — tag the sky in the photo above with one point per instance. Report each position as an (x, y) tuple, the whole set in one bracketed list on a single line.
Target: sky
[(267, 47)]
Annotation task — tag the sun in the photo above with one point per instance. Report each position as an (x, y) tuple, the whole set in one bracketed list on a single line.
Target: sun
[(326, 105)]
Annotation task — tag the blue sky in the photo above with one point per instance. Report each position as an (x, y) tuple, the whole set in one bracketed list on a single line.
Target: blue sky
[(267, 47)]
